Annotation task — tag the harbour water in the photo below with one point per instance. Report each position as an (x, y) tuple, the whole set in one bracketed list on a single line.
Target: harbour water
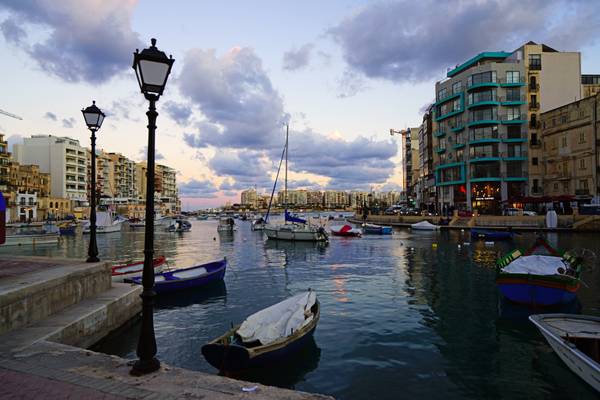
[(412, 315)]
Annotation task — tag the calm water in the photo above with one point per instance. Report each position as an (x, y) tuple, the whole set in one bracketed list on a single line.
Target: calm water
[(399, 317)]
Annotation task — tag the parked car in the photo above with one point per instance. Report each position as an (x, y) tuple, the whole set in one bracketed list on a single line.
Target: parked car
[(513, 211), (530, 213)]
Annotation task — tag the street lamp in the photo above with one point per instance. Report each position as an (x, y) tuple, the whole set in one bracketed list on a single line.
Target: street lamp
[(93, 119), (152, 68)]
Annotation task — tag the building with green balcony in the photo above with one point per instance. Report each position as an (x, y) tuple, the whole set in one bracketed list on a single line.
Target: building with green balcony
[(481, 127)]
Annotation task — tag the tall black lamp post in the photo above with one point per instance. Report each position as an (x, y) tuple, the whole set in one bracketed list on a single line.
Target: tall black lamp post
[(93, 119), (152, 68)]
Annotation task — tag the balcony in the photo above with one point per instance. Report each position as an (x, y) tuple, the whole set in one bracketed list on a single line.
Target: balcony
[(440, 150), (482, 84), (512, 82), (535, 66), (513, 100), (534, 88), (484, 138), (513, 119), (457, 126), (447, 97), (439, 133), (457, 146), (534, 106), (513, 155)]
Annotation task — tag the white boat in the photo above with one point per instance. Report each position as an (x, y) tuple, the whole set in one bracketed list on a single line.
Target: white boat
[(106, 221), (576, 340), (179, 225), (424, 226), (32, 239), (161, 221), (226, 224), (293, 228), (258, 224)]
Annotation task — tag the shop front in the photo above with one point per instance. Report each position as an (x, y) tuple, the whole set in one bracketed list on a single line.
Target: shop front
[(486, 197)]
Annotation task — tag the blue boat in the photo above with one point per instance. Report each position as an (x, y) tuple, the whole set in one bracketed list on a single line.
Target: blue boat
[(372, 229), (547, 278), (491, 235), (228, 353), (187, 278)]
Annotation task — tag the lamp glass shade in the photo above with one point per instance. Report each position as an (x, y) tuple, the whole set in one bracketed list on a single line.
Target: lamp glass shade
[(93, 116), (152, 68)]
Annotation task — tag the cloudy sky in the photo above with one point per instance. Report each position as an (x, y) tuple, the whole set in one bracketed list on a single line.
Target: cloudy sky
[(340, 72)]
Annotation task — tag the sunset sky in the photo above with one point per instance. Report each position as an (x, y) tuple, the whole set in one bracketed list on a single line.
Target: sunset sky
[(341, 73)]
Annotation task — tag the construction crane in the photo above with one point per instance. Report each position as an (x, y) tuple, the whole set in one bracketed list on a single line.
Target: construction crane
[(10, 114)]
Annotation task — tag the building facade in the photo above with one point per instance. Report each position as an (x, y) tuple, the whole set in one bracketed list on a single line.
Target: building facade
[(249, 198), (590, 85), (425, 193), (571, 149), (487, 123), (5, 158), (63, 158)]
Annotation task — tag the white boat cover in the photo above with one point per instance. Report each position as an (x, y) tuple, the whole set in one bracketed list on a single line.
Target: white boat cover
[(191, 273), (535, 264), (279, 320), (425, 225)]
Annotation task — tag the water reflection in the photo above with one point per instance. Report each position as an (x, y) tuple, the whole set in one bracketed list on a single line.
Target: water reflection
[(216, 292)]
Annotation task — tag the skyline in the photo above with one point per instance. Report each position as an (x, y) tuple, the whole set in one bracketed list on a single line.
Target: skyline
[(243, 70)]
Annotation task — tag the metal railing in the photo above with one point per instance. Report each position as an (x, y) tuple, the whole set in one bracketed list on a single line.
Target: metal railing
[(534, 106)]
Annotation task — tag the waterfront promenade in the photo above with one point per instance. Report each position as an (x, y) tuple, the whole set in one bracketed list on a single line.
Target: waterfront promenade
[(51, 309)]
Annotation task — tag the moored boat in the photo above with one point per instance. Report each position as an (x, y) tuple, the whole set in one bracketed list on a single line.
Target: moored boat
[(67, 228), (179, 225), (484, 234), (541, 276), (136, 223), (267, 337), (187, 278), (226, 225), (106, 221), (424, 226), (373, 229), (258, 224), (345, 231), (130, 270), (576, 340)]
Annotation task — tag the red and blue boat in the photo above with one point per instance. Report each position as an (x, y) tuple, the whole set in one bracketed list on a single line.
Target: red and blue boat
[(540, 276), (187, 278)]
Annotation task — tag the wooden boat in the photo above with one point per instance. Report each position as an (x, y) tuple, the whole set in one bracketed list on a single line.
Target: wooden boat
[(136, 223), (576, 340), (32, 239), (127, 271), (545, 278), (424, 226), (258, 224), (193, 277), (345, 231), (491, 235), (372, 229), (228, 353)]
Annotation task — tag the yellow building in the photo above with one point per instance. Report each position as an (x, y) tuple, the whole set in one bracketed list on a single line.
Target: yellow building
[(590, 85), (570, 149), (4, 167), (57, 208)]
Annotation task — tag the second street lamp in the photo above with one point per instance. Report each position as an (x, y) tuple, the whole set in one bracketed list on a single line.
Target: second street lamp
[(152, 68), (93, 119)]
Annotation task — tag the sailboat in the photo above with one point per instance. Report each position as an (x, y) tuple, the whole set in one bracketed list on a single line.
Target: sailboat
[(293, 228)]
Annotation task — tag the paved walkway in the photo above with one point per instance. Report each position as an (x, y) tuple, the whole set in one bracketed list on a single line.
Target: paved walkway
[(11, 266)]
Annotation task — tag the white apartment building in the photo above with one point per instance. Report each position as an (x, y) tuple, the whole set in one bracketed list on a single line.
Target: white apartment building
[(63, 158), (249, 197)]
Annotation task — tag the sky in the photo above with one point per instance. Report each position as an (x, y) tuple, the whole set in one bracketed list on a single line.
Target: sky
[(340, 73)]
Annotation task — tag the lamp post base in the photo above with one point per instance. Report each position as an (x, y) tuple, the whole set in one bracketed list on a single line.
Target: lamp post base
[(143, 367), (92, 259)]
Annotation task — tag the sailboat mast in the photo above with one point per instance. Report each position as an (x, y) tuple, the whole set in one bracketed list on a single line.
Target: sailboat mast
[(285, 193)]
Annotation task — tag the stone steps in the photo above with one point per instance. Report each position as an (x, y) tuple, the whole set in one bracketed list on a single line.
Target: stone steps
[(81, 324)]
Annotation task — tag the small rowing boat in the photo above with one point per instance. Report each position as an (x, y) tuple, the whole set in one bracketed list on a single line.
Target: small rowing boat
[(372, 229), (131, 270), (345, 231), (491, 235), (541, 276), (267, 337), (187, 278), (424, 226), (576, 340)]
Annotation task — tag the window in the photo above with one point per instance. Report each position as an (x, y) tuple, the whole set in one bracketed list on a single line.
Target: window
[(555, 185), (488, 95), (534, 161), (532, 83), (533, 103), (563, 119), (442, 94), (487, 132), (483, 77), (582, 163), (513, 113), (563, 141), (566, 187), (515, 150), (457, 87), (513, 76), (483, 114), (535, 61), (581, 137), (513, 131), (535, 185), (456, 105), (513, 94), (583, 184)]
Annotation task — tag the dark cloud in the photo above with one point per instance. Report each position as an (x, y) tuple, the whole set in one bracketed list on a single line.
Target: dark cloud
[(87, 41), (51, 116), (12, 32), (68, 122), (297, 58), (417, 40), (143, 154), (198, 188), (179, 112), (234, 93), (244, 169)]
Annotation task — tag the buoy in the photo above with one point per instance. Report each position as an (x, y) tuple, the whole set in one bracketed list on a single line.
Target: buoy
[(434, 245)]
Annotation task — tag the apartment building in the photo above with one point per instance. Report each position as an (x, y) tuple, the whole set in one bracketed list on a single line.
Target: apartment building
[(63, 158), (168, 193), (571, 149), (410, 161), (104, 166), (590, 85), (425, 188), (249, 198), (4, 164), (122, 179), (486, 124), (335, 199), (314, 198)]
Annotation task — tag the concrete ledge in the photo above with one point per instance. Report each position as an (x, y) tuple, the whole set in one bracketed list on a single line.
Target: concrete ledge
[(108, 375), (30, 297), (82, 324)]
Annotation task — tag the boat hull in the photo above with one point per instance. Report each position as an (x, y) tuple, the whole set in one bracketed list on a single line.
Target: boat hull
[(32, 240), (294, 235), (104, 229), (135, 269), (215, 273), (382, 230), (582, 365), (236, 358), (537, 290)]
